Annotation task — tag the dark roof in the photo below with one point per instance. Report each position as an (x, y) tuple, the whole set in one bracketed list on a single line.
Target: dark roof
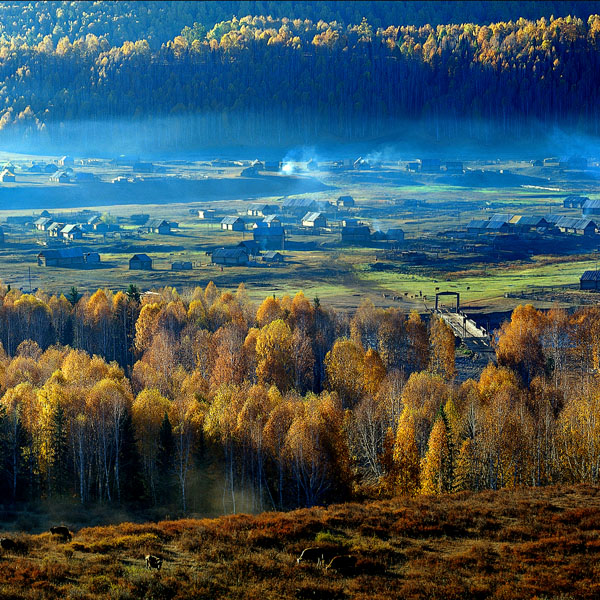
[(272, 254), (229, 252), (501, 217), (575, 223), (270, 218), (590, 276), (257, 206), (298, 203), (530, 221), (141, 258), (62, 253), (478, 224), (156, 223), (553, 218)]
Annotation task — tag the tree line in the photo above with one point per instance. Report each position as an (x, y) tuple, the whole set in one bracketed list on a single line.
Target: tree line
[(287, 80), (131, 400)]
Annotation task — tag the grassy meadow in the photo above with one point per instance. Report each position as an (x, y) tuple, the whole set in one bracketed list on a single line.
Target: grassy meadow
[(521, 543)]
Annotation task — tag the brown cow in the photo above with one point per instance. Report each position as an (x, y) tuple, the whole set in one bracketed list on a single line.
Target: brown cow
[(342, 563), (153, 562), (61, 531), (8, 545)]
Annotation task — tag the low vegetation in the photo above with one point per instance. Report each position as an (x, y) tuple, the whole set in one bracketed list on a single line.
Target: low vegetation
[(521, 543)]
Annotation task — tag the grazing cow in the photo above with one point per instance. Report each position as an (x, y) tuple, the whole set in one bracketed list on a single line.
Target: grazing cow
[(342, 563), (153, 562), (8, 544), (61, 531)]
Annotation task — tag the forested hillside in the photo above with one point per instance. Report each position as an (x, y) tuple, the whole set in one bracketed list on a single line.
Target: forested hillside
[(277, 80), (140, 401)]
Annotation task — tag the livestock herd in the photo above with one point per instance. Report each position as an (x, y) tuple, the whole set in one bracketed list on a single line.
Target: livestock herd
[(327, 558)]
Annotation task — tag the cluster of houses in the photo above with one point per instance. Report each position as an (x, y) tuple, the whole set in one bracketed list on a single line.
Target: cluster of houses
[(359, 234), (434, 165), (520, 224), (69, 231)]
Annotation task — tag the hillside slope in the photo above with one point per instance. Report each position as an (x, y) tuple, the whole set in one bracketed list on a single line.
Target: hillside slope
[(510, 544)]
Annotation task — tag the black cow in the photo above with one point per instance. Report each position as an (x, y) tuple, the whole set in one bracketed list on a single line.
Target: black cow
[(342, 563), (8, 544), (153, 562), (61, 531)]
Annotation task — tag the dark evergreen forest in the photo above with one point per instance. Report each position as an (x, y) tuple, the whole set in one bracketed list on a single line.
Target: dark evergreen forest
[(326, 71)]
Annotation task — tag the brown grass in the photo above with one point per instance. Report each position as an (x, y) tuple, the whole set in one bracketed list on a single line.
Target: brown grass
[(528, 543)]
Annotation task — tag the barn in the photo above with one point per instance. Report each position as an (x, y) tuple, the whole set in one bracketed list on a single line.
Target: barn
[(345, 202), (230, 256), (65, 257), (158, 226), (591, 207), (140, 262), (314, 219), (272, 257), (71, 232), (233, 224), (180, 265), (590, 280), (356, 234)]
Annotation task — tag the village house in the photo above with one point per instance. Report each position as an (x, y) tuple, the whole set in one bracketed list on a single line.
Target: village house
[(298, 206), (270, 235), (356, 234), (591, 207), (60, 177), (91, 257), (233, 224), (159, 226), (140, 262), (43, 223), (575, 201), (395, 234), (430, 165), (7, 176), (455, 167), (97, 224), (64, 257), (345, 202), (55, 229), (260, 210), (251, 246), (66, 161), (315, 220), (71, 232), (272, 257), (180, 265), (590, 280), (208, 214), (578, 226), (230, 256)]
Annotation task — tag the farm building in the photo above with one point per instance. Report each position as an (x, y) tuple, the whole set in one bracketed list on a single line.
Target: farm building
[(60, 177), (298, 206), (230, 256), (233, 224), (356, 234), (430, 165), (360, 163), (207, 214), (395, 234), (43, 223), (251, 246), (590, 280), (477, 226), (260, 210), (7, 176), (378, 236), (527, 223), (91, 257), (180, 265), (345, 202), (65, 257), (140, 262), (271, 221), (575, 201), (553, 218), (55, 229), (272, 257), (97, 224), (314, 219), (158, 226), (269, 237), (413, 166), (591, 207), (578, 226), (71, 232)]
